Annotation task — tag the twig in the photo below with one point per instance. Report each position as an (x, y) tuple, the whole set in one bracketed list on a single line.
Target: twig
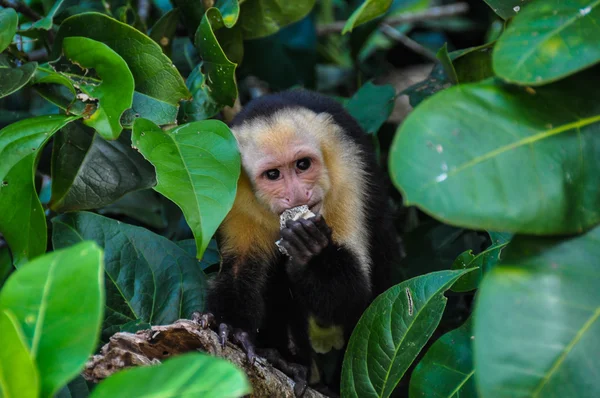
[(22, 8), (440, 12), (407, 41)]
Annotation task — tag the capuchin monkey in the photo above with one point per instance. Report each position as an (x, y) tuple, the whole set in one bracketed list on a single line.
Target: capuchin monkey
[(301, 148)]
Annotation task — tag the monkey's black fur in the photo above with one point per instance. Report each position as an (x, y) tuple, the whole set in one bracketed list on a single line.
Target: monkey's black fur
[(264, 301)]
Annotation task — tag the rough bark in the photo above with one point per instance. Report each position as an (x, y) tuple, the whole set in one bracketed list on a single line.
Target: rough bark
[(147, 347)]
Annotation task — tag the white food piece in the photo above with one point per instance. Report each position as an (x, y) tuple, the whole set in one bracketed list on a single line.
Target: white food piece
[(292, 214)]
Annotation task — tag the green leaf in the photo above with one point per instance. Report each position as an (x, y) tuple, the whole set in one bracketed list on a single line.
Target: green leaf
[(114, 95), (260, 18), (483, 261), (134, 326), (89, 172), (163, 30), (18, 374), (197, 167), (367, 11), (391, 333), (455, 157), (159, 112), (58, 89), (436, 81), (143, 206), (211, 254), (148, 277), (447, 64), (23, 223), (549, 40), (46, 22), (8, 27), (548, 290), (154, 74), (507, 8), (372, 105), (77, 388), (13, 78), (58, 301), (471, 64), (447, 369), (187, 375), (212, 82)]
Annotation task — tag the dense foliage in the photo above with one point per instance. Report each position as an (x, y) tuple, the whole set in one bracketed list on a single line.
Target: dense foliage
[(117, 167)]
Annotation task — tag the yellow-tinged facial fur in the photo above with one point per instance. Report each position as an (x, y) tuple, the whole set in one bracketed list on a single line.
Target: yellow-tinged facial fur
[(333, 185)]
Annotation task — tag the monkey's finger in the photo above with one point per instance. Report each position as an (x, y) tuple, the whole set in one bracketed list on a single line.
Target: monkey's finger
[(243, 338), (322, 225), (297, 243), (296, 257), (299, 228), (223, 334), (315, 233), (205, 320)]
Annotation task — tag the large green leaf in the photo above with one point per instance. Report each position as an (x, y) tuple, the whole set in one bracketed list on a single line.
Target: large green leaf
[(212, 82), (447, 369), (13, 78), (144, 206), (8, 27), (18, 375), (504, 158), (372, 105), (187, 375), (509, 8), (549, 40), (197, 167), (23, 223), (155, 75), (114, 94), (58, 301), (148, 277), (391, 333), (537, 319), (260, 18), (367, 11), (89, 172)]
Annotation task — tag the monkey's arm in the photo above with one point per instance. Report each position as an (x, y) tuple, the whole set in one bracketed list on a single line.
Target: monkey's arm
[(327, 277), (235, 298)]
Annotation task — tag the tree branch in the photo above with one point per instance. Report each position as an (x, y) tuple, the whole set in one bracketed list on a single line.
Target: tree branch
[(147, 347), (432, 13), (407, 41), (22, 8)]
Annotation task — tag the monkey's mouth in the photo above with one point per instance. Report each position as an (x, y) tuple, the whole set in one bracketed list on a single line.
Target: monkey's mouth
[(315, 208)]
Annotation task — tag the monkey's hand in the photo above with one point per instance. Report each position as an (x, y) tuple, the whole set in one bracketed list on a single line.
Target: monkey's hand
[(305, 239), (241, 338)]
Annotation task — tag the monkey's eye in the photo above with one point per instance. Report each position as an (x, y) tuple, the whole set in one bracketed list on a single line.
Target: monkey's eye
[(272, 174), (303, 164)]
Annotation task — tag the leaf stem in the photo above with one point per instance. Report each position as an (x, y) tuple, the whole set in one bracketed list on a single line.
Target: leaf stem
[(439, 12)]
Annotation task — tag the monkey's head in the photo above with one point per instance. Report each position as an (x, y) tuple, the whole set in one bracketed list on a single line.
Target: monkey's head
[(283, 157)]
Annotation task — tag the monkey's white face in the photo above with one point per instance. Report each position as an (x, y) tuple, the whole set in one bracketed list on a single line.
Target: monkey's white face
[(288, 178)]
